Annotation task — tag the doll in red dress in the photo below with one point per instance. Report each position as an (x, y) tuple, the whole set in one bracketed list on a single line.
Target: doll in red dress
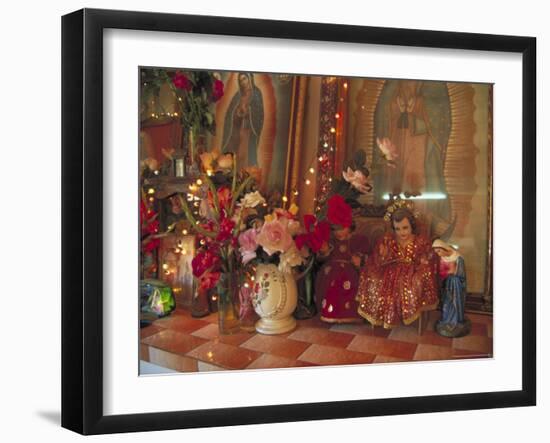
[(400, 280), (337, 280)]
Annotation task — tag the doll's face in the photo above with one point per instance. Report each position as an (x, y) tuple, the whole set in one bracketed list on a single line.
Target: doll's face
[(342, 234), (442, 252), (403, 229)]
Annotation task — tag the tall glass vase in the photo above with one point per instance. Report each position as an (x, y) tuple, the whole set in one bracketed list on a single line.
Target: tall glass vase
[(228, 293)]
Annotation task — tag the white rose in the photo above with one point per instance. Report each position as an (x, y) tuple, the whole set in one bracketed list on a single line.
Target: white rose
[(290, 259), (252, 199)]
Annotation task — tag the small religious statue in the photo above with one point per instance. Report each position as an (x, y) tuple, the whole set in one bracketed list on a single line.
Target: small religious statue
[(452, 273), (400, 280), (337, 280)]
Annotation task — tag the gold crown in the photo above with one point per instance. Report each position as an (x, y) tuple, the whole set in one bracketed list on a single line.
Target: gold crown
[(396, 202)]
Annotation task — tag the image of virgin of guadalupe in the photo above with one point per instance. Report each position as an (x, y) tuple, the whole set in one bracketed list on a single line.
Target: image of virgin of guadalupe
[(244, 121), (416, 117)]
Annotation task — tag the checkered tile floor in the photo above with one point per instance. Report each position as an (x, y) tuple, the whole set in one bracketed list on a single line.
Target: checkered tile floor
[(186, 344)]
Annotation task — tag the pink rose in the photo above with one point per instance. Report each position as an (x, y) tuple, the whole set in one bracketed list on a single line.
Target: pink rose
[(248, 245), (274, 237)]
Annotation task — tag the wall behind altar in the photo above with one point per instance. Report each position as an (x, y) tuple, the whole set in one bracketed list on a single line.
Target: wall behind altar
[(470, 155)]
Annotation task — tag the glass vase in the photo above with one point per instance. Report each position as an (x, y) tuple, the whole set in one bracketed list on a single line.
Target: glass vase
[(227, 292)]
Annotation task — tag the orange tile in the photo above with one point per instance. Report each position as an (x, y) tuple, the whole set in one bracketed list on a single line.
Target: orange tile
[(172, 361), (387, 359), (321, 337), (474, 343), (383, 346), (211, 318), (431, 352), (313, 322), (279, 346), (481, 318), (148, 330), (409, 334), (267, 361), (181, 323), (173, 341), (478, 329), (328, 355), (226, 356), (361, 329), (211, 332)]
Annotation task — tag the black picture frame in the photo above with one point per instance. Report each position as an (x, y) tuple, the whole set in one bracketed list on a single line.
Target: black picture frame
[(82, 230)]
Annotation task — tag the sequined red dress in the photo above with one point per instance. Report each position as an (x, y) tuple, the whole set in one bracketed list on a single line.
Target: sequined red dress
[(337, 281), (398, 286)]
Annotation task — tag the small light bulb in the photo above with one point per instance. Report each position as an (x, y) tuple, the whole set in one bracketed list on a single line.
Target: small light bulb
[(151, 199), (165, 266), (308, 182), (325, 145), (199, 182), (333, 130), (151, 191), (209, 172), (337, 115), (296, 192), (156, 172), (345, 86), (311, 170), (184, 232), (285, 198)]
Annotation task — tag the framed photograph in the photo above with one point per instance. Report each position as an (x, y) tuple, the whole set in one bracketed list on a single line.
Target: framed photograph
[(271, 221)]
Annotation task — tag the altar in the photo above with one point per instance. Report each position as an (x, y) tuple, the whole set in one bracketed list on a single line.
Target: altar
[(291, 221)]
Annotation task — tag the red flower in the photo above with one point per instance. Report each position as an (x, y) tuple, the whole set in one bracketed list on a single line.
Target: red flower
[(224, 198), (182, 82), (217, 91), (151, 245), (339, 212), (208, 281), (151, 227), (226, 228), (317, 234), (203, 262)]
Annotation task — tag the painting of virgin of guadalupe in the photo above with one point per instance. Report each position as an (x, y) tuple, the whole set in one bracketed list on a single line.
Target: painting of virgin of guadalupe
[(415, 117), (253, 122), (244, 121)]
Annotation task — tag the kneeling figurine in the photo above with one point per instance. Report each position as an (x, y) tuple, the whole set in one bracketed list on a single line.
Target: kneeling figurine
[(453, 323)]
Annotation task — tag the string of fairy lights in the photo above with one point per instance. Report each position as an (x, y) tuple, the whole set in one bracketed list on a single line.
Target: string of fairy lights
[(320, 173)]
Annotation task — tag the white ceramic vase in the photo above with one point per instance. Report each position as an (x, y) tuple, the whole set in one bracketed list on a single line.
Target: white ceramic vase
[(274, 300)]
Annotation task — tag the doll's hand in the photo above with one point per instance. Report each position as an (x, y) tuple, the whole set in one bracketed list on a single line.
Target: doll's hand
[(356, 260)]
